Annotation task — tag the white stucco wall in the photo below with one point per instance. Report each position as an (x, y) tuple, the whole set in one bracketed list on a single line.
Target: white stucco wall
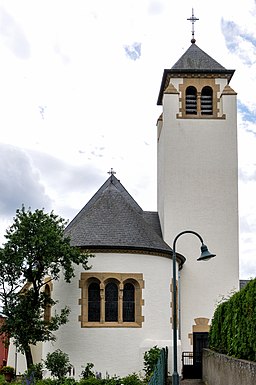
[(118, 350)]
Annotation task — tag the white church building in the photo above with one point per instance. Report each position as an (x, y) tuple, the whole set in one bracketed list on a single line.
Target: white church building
[(122, 306)]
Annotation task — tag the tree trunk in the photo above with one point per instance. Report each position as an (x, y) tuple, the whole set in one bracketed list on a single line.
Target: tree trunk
[(29, 357)]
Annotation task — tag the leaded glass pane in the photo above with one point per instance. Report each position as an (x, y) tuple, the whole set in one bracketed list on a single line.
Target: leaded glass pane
[(129, 303), (111, 302), (94, 302)]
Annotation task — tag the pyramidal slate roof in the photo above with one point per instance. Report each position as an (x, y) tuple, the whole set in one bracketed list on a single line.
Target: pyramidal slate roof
[(193, 61), (196, 59), (113, 220)]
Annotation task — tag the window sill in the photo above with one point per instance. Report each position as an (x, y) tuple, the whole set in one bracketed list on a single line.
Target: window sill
[(111, 325)]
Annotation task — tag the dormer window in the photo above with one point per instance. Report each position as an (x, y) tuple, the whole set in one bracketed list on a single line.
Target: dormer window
[(206, 101), (191, 101)]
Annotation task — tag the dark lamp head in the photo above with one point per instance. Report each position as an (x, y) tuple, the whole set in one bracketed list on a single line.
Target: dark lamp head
[(205, 254)]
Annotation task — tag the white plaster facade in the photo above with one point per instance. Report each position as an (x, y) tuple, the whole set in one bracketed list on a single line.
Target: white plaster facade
[(118, 350)]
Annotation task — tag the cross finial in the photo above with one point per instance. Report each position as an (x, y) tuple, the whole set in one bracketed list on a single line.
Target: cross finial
[(193, 19), (111, 173)]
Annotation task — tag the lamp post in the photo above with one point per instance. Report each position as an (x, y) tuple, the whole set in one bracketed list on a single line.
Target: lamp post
[(205, 256)]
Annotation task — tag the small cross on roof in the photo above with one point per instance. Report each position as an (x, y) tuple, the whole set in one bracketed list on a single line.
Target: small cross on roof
[(111, 172)]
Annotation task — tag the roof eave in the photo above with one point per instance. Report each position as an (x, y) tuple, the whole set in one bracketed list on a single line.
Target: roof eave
[(174, 71), (130, 249)]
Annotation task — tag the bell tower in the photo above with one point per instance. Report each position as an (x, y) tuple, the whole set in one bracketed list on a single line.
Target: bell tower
[(198, 180)]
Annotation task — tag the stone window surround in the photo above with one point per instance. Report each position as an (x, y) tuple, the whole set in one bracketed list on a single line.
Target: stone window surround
[(199, 84), (120, 279)]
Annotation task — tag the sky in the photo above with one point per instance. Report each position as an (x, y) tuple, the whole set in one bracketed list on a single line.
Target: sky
[(79, 83)]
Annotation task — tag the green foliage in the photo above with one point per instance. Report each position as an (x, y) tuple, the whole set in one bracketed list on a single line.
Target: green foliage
[(87, 371), (68, 381), (132, 379), (47, 381), (58, 364), (34, 372), (7, 369), (233, 326), (35, 248), (90, 381), (150, 360), (115, 380)]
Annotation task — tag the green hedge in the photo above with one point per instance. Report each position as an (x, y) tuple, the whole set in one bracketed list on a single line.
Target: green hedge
[(233, 330)]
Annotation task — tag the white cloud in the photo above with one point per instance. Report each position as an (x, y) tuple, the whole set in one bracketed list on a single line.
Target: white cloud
[(13, 36), (72, 106), (19, 182)]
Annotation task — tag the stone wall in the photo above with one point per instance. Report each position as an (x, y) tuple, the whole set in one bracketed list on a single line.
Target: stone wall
[(219, 369)]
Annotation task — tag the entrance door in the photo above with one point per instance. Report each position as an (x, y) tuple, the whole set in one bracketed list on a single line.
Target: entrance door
[(200, 341)]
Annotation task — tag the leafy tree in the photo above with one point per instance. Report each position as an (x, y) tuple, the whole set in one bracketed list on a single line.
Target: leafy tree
[(36, 252)]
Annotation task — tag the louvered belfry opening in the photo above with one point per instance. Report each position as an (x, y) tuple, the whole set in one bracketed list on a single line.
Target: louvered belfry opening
[(206, 101), (191, 101)]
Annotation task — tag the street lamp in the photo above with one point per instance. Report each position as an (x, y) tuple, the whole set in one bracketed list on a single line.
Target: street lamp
[(205, 256)]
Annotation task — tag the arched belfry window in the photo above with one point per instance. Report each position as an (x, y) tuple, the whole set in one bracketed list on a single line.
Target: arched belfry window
[(111, 302), (129, 303), (206, 101), (94, 302), (191, 101)]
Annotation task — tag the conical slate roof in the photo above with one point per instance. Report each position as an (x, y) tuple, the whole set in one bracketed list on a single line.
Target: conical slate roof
[(193, 62), (113, 220)]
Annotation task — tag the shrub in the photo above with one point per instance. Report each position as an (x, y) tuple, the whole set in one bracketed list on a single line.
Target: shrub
[(58, 364), (47, 381), (150, 360), (111, 381), (68, 381), (234, 325), (131, 379), (90, 381), (7, 369), (34, 372), (87, 371)]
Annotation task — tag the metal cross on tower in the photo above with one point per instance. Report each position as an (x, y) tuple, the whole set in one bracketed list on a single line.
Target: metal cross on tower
[(193, 19)]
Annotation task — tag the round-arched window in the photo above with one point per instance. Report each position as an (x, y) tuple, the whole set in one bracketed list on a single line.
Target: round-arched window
[(129, 303)]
